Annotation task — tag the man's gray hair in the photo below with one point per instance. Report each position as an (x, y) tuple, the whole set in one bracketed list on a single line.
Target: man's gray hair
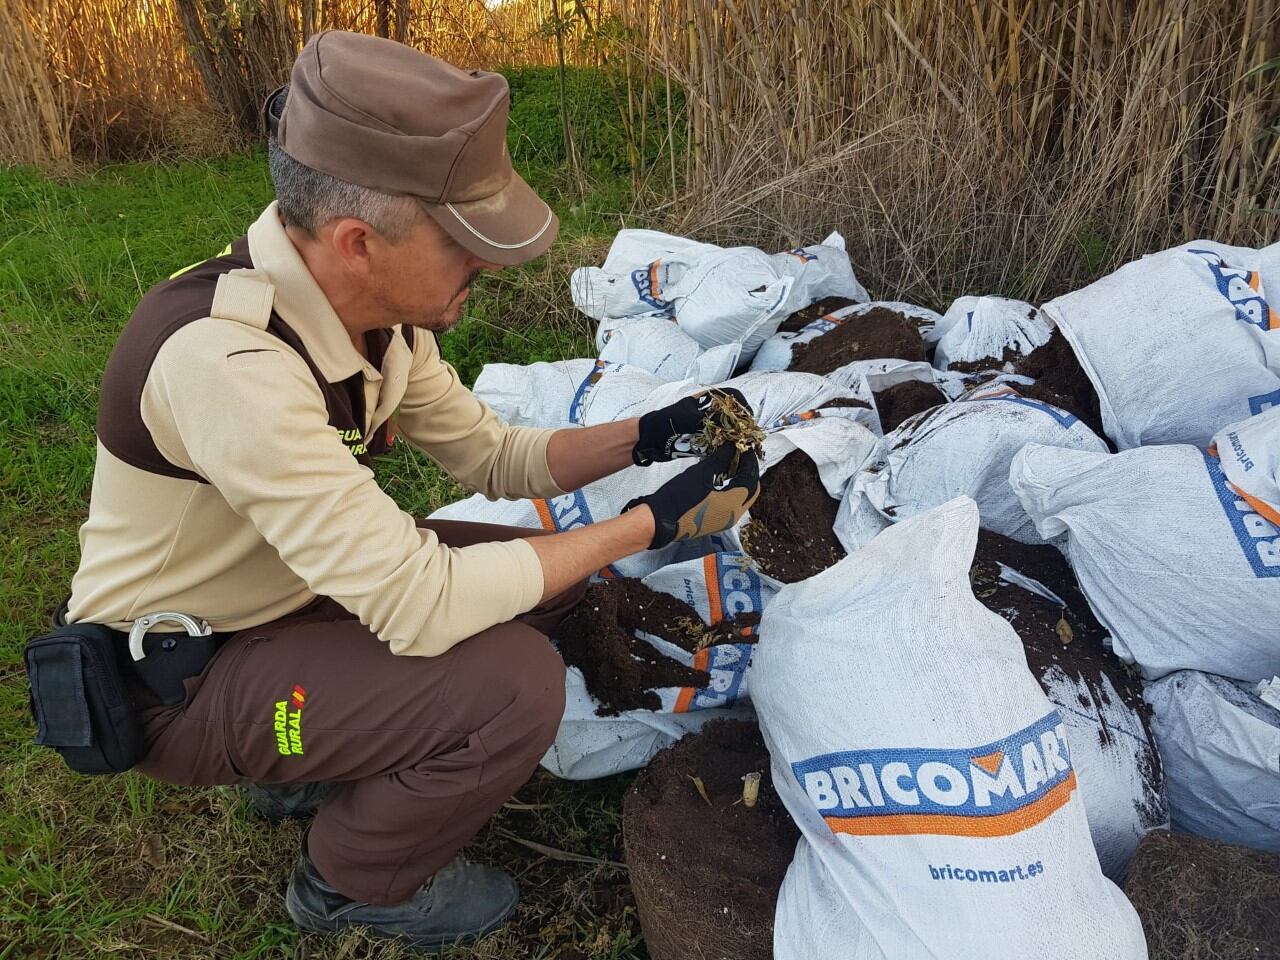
[(309, 199)]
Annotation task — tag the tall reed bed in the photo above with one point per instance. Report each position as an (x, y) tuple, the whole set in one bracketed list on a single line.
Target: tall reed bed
[(110, 79), (1021, 145)]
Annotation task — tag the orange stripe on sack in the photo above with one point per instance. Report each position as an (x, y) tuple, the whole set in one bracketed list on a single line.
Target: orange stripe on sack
[(653, 279), (701, 659), (997, 825), (1260, 507), (684, 699), (544, 515), (711, 573)]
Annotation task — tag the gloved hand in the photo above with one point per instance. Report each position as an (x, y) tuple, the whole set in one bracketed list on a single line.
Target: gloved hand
[(665, 433), (712, 495)]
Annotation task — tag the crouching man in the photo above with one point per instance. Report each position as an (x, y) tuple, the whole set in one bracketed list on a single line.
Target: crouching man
[(406, 663)]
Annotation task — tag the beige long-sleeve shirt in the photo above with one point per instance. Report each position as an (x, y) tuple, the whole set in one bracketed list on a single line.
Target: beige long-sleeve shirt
[(248, 501)]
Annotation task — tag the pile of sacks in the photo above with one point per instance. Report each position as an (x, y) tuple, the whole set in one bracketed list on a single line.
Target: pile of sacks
[(910, 741)]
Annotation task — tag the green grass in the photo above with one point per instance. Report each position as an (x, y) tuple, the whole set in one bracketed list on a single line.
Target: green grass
[(127, 867)]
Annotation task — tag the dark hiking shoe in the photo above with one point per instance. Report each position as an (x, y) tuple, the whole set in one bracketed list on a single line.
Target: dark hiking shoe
[(284, 801), (461, 902)]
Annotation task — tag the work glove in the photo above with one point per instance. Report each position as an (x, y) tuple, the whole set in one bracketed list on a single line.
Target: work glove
[(710, 496), (666, 434)]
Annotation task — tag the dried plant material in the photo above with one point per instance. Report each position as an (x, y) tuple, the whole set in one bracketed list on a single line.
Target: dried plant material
[(153, 853), (1065, 633), (701, 788), (728, 421), (750, 789)]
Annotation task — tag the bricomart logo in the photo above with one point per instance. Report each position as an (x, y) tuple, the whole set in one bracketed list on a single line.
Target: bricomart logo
[(993, 790)]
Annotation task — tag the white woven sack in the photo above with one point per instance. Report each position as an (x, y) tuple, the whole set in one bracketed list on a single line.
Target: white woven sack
[(1180, 343), (659, 346), (778, 399), (639, 269), (1113, 755), (732, 296), (1179, 567), (775, 353), (820, 270), (1221, 749), (928, 773), (964, 449), (534, 395), (978, 328), (588, 745)]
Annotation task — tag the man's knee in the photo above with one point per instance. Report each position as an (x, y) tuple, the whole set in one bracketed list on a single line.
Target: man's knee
[(517, 685)]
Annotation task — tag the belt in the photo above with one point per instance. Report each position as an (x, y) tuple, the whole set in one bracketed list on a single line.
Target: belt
[(162, 662)]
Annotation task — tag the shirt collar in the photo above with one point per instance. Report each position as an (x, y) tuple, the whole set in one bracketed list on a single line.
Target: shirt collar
[(300, 301)]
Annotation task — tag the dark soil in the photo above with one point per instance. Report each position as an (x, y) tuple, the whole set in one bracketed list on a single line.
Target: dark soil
[(904, 400), (1060, 381), (621, 670), (790, 532), (706, 876), (878, 334), (844, 402), (1080, 654), (1202, 899), (802, 318)]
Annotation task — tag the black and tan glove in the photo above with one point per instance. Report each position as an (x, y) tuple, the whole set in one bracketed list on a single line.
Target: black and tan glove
[(712, 495), (667, 433)]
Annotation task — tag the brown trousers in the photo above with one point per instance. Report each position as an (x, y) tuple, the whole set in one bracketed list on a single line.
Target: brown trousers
[(424, 749)]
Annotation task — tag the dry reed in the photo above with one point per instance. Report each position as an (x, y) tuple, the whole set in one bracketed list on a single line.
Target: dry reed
[(961, 145), (967, 146)]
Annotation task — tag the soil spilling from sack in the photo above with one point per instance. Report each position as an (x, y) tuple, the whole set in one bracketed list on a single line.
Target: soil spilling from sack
[(1201, 899), (706, 872), (1061, 381), (1065, 640), (621, 670), (904, 400), (790, 532), (878, 334), (802, 318)]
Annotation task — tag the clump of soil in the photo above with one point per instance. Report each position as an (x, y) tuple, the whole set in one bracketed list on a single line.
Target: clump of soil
[(621, 670), (706, 875), (790, 531), (835, 402), (1067, 639), (1061, 381), (1036, 619), (904, 400), (878, 334), (802, 318), (1202, 899)]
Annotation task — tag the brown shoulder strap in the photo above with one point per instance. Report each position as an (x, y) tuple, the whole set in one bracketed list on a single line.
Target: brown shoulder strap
[(167, 307)]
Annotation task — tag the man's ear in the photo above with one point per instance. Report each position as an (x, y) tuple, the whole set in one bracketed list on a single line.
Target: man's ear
[(352, 240)]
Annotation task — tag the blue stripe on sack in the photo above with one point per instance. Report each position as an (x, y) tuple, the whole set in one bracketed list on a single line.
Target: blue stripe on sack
[(1264, 401), (1064, 419), (590, 380), (1258, 538), (740, 592), (1233, 283)]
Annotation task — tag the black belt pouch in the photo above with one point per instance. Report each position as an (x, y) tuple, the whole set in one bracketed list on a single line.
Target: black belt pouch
[(79, 701)]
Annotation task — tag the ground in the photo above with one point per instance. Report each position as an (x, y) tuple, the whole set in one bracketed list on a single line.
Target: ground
[(130, 868)]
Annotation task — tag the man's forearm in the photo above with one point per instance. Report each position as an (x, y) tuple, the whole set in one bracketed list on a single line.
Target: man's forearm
[(577, 456), (569, 557)]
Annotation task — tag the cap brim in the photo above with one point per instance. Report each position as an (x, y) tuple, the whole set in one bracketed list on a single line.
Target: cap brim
[(510, 227)]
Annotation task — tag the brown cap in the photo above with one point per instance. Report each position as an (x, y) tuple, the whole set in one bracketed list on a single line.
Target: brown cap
[(382, 115)]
